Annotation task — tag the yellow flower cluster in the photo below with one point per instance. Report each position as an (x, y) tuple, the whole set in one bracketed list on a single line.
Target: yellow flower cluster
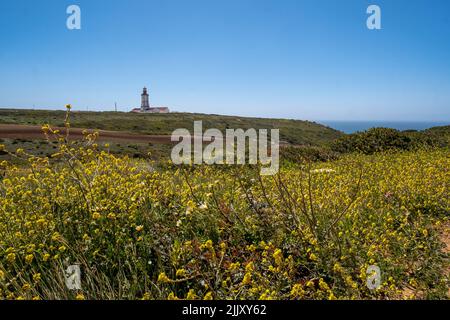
[(144, 230)]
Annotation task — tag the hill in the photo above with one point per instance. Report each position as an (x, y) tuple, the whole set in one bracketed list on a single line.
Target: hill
[(295, 132)]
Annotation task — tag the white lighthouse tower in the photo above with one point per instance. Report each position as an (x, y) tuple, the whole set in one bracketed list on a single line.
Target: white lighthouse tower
[(145, 104)]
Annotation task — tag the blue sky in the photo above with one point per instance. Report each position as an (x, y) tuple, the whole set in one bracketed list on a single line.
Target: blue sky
[(312, 59)]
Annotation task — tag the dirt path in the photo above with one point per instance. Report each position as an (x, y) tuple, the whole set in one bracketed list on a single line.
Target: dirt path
[(35, 132)]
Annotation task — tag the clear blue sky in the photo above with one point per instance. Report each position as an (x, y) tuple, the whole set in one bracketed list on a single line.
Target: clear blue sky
[(298, 59)]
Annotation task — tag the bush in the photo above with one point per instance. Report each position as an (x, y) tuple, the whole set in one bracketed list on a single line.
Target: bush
[(385, 139), (296, 154)]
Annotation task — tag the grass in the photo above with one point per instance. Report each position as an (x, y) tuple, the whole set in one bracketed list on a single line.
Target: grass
[(291, 131), (139, 229), (44, 148), (211, 232)]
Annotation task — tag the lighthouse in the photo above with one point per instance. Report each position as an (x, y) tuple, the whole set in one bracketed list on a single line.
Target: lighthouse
[(145, 104)]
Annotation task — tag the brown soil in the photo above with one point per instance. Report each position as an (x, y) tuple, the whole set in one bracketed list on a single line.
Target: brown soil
[(35, 132)]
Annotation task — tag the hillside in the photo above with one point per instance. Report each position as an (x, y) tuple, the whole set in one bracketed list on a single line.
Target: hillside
[(442, 131), (291, 131)]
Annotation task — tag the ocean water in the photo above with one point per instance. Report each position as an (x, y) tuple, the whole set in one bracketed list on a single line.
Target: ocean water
[(355, 126)]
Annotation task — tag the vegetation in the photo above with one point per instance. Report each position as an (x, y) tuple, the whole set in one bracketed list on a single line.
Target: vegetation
[(385, 139), (139, 231), (291, 131), (44, 148), (296, 154)]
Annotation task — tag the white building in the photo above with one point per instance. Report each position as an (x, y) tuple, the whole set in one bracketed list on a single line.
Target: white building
[(145, 105)]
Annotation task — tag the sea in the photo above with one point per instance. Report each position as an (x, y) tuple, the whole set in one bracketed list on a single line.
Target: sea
[(355, 126)]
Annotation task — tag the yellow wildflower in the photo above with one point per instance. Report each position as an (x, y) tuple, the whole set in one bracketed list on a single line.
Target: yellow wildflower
[(191, 295), (181, 273), (36, 277), (208, 296), (278, 256), (96, 216), (26, 287), (11, 257), (163, 278), (247, 278), (29, 258)]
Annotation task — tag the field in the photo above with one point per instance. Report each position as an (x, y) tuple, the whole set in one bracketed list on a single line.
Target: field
[(33, 141), (140, 229), (291, 131), (144, 136)]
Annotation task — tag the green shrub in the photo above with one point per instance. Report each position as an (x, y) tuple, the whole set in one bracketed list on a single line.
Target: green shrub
[(386, 139)]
